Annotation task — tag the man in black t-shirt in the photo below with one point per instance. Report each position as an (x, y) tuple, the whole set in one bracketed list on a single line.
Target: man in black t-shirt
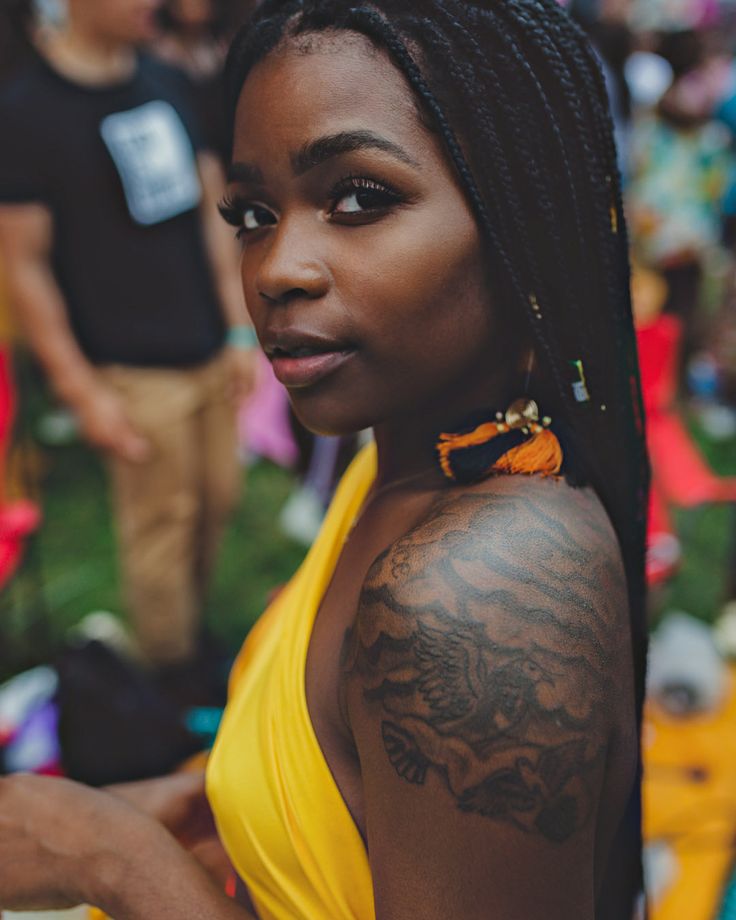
[(126, 283)]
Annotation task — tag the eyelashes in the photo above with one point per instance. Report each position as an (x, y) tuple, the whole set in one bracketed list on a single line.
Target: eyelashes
[(352, 200), (365, 193), (244, 215), (231, 211)]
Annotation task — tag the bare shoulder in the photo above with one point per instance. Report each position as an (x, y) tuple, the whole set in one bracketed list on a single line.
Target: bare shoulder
[(491, 652), (526, 554)]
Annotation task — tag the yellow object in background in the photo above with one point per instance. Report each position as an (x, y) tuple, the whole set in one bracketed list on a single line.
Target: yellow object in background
[(690, 807)]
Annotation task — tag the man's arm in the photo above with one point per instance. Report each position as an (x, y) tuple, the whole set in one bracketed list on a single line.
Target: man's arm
[(179, 802), (25, 246), (63, 844), (222, 249), (482, 681), (224, 259)]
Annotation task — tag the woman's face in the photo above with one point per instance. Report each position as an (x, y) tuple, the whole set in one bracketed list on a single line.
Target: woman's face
[(362, 263)]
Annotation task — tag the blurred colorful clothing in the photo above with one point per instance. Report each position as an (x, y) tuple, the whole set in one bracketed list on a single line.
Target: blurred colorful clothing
[(674, 199)]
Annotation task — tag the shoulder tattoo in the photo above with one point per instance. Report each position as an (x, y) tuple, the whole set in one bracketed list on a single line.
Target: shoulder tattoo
[(487, 655)]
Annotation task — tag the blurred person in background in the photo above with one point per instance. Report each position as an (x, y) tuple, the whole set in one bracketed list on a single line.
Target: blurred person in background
[(15, 16), (681, 161), (126, 283), (194, 37)]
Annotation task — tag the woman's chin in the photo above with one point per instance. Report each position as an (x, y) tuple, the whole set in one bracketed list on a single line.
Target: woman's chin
[(330, 421)]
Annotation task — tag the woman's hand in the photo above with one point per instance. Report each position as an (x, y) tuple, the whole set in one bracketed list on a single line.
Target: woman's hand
[(60, 842)]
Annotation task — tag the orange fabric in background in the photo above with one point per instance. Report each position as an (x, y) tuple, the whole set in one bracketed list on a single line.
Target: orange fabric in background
[(690, 803)]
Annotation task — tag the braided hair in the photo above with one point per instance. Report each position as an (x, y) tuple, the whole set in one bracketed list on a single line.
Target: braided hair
[(516, 94)]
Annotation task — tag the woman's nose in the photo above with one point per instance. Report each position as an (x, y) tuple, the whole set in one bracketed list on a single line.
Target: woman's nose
[(290, 267)]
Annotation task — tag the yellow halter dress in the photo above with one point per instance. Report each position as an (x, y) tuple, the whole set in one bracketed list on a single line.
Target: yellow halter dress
[(279, 812)]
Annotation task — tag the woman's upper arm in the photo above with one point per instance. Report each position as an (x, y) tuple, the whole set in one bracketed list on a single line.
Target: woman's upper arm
[(480, 688)]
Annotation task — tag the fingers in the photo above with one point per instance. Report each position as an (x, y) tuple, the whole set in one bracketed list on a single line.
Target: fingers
[(211, 855), (241, 384), (106, 426), (127, 442), (171, 800), (132, 446), (242, 372), (240, 391)]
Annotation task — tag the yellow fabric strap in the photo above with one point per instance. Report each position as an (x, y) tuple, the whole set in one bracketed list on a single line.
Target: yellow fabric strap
[(279, 812)]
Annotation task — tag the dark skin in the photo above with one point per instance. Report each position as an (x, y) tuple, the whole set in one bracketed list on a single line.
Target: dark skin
[(469, 674)]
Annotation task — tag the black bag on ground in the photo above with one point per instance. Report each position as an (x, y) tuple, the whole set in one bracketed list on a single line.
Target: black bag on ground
[(114, 724)]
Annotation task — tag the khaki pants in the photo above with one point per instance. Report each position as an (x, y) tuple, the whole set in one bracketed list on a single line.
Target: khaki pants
[(171, 509)]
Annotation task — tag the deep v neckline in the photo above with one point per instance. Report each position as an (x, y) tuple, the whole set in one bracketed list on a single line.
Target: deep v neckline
[(348, 524)]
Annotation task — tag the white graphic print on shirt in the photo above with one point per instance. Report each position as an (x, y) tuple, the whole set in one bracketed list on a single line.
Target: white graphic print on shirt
[(155, 160)]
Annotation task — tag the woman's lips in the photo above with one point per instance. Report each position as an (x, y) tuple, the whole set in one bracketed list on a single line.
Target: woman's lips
[(308, 370)]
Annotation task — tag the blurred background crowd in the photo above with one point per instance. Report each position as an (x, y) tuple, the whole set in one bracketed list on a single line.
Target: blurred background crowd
[(86, 687)]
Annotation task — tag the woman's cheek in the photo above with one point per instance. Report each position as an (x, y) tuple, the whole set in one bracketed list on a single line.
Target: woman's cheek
[(395, 279)]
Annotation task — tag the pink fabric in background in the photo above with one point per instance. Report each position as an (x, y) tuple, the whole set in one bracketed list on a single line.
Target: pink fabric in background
[(263, 420)]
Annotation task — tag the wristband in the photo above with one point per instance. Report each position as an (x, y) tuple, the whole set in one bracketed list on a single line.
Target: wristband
[(242, 337)]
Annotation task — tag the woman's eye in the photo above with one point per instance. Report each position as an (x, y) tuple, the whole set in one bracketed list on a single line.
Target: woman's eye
[(244, 216), (359, 196), (255, 217)]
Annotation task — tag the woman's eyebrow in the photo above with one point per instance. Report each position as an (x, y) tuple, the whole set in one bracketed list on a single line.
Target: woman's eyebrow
[(316, 152), (244, 172), (325, 148)]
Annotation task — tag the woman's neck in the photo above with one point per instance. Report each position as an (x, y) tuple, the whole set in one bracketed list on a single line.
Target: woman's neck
[(406, 461), (407, 444)]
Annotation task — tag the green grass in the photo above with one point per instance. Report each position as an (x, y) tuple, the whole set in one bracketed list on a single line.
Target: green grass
[(707, 535), (70, 567)]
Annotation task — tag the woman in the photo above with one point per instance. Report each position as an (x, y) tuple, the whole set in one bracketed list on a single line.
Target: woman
[(437, 718)]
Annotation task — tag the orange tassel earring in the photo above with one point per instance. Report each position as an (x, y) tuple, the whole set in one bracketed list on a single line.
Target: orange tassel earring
[(517, 442)]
